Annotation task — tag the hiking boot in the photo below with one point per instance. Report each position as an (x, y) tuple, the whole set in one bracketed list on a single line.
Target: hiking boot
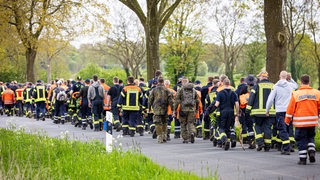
[(185, 141), (226, 146), (312, 156), (43, 118), (199, 133), (252, 146), (266, 149), (302, 161), (206, 135), (260, 147), (215, 142), (62, 121), (285, 153), (160, 140), (154, 134), (177, 135), (192, 138)]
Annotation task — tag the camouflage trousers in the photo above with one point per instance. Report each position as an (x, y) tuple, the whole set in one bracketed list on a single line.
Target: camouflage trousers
[(187, 120), (161, 127)]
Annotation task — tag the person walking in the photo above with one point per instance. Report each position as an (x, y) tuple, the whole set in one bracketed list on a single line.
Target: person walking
[(95, 101), (303, 110), (160, 98)]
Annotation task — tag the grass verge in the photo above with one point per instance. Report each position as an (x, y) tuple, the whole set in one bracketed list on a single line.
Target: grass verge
[(26, 156)]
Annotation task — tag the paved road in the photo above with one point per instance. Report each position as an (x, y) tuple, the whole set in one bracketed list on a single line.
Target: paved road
[(200, 158)]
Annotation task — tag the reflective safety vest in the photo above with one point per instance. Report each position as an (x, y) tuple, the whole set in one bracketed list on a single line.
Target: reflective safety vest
[(39, 93), (27, 95), (258, 99), (106, 89), (19, 94), (130, 98)]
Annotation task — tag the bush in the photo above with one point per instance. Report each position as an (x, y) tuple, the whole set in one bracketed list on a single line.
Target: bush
[(25, 156), (202, 68), (107, 74)]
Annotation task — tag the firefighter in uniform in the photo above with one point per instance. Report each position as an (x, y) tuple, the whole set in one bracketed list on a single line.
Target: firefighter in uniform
[(112, 101), (170, 117), (130, 102), (73, 105), (27, 98), (86, 116), (95, 98), (39, 96), (303, 110), (8, 100), (256, 106), (19, 101)]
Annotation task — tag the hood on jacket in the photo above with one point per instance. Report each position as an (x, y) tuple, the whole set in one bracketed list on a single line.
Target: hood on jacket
[(282, 83), (96, 84)]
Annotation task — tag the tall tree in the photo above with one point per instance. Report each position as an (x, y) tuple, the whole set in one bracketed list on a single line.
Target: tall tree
[(276, 38), (157, 14), (229, 21), (30, 17), (295, 22), (314, 27), (183, 35)]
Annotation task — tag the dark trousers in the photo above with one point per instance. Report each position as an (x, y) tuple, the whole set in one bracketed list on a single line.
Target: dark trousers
[(246, 124), (305, 140), (60, 109), (97, 108), (40, 109), (226, 124), (130, 118), (282, 129), (115, 113), (19, 107), (85, 110), (9, 109), (263, 130)]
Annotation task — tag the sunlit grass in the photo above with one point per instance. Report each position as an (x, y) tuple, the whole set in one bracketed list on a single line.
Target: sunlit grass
[(26, 156)]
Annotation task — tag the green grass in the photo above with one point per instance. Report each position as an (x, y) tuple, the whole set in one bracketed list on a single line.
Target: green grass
[(26, 156), (317, 139)]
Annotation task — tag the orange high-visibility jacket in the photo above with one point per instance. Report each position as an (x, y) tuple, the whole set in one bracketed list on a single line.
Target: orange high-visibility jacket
[(304, 107), (105, 90), (200, 105), (8, 96)]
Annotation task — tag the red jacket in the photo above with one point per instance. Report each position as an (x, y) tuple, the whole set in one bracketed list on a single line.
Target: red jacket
[(304, 107)]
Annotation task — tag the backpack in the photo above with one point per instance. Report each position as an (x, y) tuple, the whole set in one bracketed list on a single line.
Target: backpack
[(62, 95), (188, 98)]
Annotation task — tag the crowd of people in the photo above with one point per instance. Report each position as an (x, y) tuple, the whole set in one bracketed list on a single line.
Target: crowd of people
[(267, 112)]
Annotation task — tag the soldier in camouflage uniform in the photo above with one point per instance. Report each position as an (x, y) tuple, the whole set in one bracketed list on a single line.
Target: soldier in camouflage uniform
[(187, 98), (160, 98)]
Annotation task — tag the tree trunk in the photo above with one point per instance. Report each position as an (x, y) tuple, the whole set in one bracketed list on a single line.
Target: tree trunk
[(127, 70), (276, 38), (30, 57), (293, 65)]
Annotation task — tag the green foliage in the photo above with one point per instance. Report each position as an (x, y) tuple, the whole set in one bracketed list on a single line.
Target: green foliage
[(107, 74), (25, 156), (202, 68)]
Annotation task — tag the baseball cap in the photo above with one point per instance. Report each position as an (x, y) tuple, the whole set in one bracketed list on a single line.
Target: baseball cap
[(39, 81), (263, 74), (197, 82), (250, 80), (87, 80)]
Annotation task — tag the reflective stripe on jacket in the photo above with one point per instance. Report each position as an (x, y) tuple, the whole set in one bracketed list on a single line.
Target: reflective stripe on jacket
[(304, 107)]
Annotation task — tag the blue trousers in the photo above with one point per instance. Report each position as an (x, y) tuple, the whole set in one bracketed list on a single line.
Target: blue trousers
[(282, 128), (40, 109)]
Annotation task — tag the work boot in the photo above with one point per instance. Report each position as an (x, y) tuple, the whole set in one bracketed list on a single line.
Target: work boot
[(266, 148), (131, 133), (160, 139), (125, 131), (185, 141), (168, 135), (192, 138), (226, 145), (157, 132), (206, 135), (260, 147), (215, 142), (285, 152), (101, 126), (154, 135), (176, 135), (302, 161), (164, 137), (312, 156)]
